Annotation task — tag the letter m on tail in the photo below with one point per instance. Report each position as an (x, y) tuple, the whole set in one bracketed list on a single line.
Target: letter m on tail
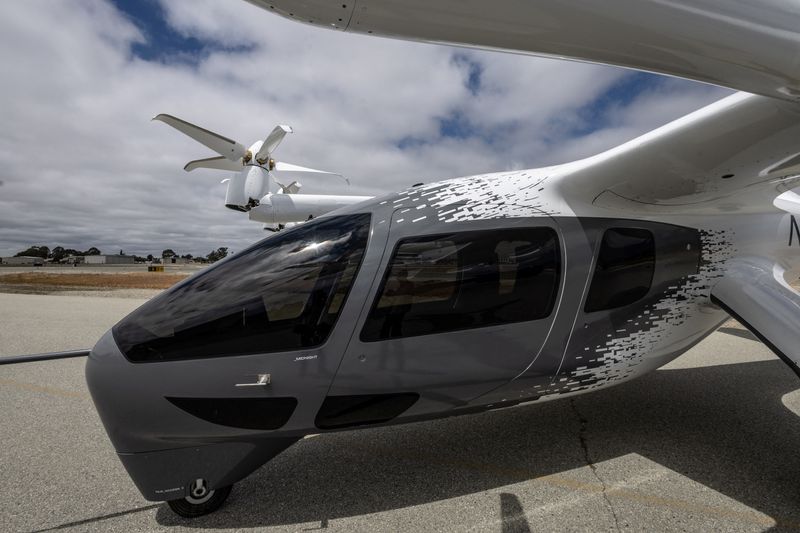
[(794, 229)]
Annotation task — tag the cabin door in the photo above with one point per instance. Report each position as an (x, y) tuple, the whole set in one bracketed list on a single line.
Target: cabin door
[(456, 310)]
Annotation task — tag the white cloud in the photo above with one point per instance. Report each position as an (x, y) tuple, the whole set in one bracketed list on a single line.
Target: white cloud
[(82, 165)]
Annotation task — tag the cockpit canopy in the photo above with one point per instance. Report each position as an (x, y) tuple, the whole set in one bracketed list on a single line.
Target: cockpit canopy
[(283, 293)]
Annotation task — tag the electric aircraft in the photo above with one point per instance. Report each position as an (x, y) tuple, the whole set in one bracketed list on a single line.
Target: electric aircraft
[(249, 190), (488, 291)]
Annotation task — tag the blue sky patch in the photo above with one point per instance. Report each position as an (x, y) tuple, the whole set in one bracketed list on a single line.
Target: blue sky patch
[(162, 42), (474, 72), (456, 126), (410, 143), (595, 115)]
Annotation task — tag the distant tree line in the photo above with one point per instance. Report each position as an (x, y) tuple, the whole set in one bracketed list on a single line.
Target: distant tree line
[(59, 253), (56, 254), (214, 255)]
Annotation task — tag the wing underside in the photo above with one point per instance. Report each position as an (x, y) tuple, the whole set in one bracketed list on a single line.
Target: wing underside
[(748, 45)]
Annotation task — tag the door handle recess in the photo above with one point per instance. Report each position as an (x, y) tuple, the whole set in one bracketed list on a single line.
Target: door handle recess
[(263, 381)]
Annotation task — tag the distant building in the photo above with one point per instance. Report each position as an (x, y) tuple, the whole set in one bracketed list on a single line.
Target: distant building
[(25, 260), (175, 260), (109, 260)]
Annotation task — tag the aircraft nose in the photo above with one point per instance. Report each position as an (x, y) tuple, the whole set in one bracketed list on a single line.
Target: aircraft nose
[(103, 373), (106, 349), (329, 13), (125, 395)]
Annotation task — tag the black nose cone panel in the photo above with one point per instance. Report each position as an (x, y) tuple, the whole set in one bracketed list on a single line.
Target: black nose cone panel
[(245, 413), (359, 410)]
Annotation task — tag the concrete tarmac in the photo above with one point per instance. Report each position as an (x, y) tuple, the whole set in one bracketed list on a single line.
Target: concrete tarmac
[(708, 443)]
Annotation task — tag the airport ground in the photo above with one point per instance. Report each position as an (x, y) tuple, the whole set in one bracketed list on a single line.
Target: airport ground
[(707, 443)]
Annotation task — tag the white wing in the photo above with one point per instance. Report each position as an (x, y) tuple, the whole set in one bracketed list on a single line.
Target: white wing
[(749, 45), (736, 155)]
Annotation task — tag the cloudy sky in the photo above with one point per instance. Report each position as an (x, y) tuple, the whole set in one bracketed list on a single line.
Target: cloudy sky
[(81, 164)]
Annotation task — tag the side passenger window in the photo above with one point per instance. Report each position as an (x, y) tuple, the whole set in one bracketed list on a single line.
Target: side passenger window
[(624, 271), (466, 280)]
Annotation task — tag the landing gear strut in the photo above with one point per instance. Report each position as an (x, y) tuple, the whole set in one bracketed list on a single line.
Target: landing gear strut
[(200, 501)]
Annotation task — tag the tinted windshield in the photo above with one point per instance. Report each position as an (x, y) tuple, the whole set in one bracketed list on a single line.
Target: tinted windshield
[(284, 293), (465, 280)]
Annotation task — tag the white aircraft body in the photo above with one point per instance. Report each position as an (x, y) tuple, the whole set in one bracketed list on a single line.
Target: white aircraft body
[(250, 189)]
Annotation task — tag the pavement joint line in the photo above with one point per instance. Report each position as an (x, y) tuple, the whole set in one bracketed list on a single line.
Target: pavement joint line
[(54, 391), (582, 431), (99, 518), (575, 497), (753, 517), (617, 490)]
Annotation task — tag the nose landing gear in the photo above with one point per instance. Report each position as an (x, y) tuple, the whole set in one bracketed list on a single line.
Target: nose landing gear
[(200, 501)]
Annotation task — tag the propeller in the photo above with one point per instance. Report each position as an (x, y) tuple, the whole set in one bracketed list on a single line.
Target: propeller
[(227, 148), (272, 141), (255, 168), (292, 188), (216, 163), (233, 156), (278, 167)]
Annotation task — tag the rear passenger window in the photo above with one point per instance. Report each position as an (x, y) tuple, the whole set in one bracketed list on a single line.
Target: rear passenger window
[(624, 271), (465, 280)]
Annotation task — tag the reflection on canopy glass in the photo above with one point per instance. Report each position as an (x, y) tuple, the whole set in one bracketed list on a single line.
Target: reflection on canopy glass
[(466, 280), (625, 267), (284, 293)]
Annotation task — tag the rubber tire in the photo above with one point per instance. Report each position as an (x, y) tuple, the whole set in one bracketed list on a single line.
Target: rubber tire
[(187, 509)]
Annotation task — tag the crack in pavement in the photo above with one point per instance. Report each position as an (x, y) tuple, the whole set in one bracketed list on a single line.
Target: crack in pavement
[(588, 458)]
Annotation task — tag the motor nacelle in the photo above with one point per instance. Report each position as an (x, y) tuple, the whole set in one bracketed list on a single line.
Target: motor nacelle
[(246, 187)]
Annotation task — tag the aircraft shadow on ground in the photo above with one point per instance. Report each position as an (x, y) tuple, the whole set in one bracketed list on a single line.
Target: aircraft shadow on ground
[(724, 427)]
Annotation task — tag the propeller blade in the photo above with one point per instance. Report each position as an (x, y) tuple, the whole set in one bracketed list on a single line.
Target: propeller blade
[(292, 188), (288, 167), (225, 147), (215, 163), (272, 141)]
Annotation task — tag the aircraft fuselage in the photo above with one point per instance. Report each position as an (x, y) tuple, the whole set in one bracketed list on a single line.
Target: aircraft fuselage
[(464, 295)]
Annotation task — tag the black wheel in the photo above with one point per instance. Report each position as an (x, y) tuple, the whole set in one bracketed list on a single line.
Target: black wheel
[(201, 501)]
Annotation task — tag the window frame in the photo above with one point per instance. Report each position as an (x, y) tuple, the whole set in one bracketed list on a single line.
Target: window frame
[(433, 237)]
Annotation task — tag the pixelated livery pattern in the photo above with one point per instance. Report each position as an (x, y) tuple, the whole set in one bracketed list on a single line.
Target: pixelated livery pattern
[(510, 195), (519, 194), (631, 344)]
